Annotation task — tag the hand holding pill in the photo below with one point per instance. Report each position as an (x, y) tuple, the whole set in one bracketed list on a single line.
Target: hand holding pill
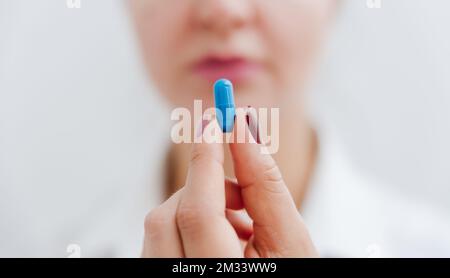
[(203, 219)]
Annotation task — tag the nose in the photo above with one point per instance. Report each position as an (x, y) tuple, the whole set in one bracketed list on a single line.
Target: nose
[(223, 15)]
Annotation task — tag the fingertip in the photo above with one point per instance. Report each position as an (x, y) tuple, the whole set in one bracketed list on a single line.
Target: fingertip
[(252, 124), (244, 147)]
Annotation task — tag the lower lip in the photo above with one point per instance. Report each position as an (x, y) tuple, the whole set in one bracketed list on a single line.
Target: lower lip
[(235, 71)]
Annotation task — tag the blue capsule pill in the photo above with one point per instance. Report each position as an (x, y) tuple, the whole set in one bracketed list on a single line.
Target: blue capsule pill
[(224, 100)]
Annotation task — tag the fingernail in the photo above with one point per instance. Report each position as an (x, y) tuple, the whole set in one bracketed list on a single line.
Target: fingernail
[(252, 123), (200, 128)]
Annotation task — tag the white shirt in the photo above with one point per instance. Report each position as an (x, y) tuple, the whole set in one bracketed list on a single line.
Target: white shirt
[(352, 215)]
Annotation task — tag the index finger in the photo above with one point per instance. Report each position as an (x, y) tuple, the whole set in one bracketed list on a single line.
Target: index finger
[(204, 229), (205, 180)]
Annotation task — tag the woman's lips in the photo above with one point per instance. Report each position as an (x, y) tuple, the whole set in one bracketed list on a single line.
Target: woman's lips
[(236, 69)]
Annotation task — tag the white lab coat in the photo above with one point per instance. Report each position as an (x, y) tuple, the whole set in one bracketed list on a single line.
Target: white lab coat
[(347, 213)]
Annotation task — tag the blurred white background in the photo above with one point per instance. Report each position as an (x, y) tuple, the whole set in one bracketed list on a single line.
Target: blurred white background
[(77, 114)]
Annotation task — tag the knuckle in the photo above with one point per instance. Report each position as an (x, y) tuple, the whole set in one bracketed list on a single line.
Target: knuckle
[(273, 180), (200, 156), (196, 156), (191, 217), (155, 221), (272, 173)]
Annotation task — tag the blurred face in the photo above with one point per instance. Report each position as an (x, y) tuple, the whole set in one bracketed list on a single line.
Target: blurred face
[(265, 47)]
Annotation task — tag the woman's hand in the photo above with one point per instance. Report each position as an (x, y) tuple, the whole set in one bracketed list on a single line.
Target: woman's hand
[(201, 219)]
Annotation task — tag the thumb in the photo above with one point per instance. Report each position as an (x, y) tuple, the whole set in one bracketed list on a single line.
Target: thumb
[(277, 223)]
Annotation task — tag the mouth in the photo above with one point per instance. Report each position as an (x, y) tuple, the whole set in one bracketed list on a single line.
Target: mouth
[(236, 69)]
